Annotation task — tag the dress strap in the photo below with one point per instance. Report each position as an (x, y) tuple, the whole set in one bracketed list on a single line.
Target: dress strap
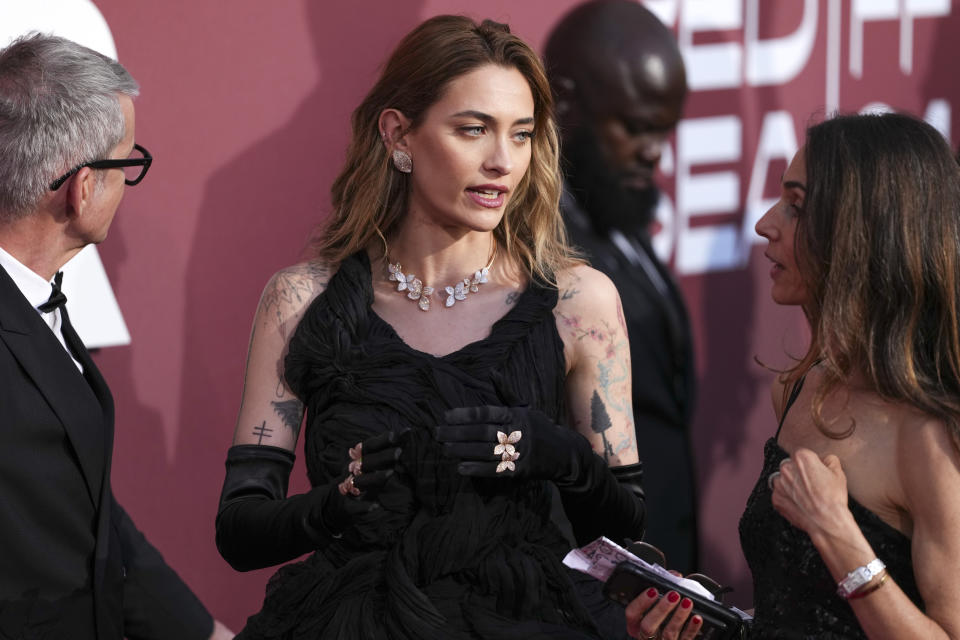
[(794, 392)]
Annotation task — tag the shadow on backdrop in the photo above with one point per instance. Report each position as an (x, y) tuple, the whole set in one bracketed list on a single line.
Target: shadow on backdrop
[(256, 217)]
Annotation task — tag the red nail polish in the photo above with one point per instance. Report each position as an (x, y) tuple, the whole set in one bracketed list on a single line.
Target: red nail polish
[(672, 597), (696, 620), (651, 593), (687, 603)]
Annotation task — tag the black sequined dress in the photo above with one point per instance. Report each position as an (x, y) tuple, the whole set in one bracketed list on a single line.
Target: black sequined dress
[(795, 597), (451, 557)]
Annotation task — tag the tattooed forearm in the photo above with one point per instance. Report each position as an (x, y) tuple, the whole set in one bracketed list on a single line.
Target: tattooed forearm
[(612, 364), (599, 418), (600, 422), (624, 444), (262, 431), (291, 413), (613, 375)]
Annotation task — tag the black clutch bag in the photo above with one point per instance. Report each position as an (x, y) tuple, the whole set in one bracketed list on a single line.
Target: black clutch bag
[(720, 622)]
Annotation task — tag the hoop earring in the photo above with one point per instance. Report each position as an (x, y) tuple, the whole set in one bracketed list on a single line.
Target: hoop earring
[(402, 161)]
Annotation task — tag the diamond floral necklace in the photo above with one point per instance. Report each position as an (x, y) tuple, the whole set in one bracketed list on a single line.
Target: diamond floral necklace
[(417, 291)]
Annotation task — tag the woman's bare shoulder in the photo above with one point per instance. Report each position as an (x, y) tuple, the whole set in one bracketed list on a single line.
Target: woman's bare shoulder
[(584, 290), (926, 450), (927, 461)]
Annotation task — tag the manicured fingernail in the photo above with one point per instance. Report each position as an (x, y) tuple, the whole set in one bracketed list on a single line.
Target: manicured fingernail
[(672, 597), (687, 603), (696, 620), (651, 593)]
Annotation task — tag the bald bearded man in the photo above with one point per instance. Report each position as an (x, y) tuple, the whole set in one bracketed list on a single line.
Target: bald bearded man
[(620, 86)]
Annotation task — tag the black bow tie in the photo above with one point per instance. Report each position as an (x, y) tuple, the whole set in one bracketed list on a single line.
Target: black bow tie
[(56, 299)]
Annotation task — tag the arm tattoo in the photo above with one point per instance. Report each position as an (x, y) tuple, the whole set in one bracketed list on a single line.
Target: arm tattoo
[(293, 287), (291, 414), (600, 422), (287, 288), (262, 431), (319, 272), (613, 371), (602, 334), (566, 294), (599, 418)]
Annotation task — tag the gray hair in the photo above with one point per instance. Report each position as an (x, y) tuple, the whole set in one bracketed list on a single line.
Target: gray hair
[(59, 107)]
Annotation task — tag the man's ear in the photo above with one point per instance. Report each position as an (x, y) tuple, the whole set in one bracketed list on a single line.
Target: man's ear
[(80, 191), (393, 129)]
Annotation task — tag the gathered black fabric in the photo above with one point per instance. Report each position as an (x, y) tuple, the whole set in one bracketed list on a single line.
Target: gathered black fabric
[(795, 597), (450, 556)]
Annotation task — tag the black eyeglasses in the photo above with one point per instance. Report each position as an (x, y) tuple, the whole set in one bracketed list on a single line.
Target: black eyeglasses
[(133, 168)]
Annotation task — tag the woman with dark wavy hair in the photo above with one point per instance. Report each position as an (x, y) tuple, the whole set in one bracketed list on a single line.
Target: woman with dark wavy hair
[(455, 363), (853, 529), (861, 486)]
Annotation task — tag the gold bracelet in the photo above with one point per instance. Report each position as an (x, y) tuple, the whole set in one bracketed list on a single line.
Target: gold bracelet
[(868, 588)]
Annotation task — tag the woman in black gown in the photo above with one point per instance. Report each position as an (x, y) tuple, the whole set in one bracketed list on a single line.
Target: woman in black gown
[(864, 467), (433, 437)]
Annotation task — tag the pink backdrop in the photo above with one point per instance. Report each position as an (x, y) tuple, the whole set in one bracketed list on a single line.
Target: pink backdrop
[(245, 107)]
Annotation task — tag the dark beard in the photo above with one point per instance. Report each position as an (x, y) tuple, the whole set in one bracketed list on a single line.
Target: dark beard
[(597, 188)]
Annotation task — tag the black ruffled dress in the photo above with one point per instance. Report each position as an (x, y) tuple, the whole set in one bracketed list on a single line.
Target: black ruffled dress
[(795, 597), (447, 556)]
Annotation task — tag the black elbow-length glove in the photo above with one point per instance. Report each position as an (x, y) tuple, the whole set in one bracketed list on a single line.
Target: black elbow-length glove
[(520, 442), (259, 526)]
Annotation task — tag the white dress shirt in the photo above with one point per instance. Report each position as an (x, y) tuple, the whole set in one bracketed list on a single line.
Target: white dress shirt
[(37, 291)]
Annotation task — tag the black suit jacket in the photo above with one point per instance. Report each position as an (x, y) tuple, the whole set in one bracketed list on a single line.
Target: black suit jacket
[(664, 382), (72, 563)]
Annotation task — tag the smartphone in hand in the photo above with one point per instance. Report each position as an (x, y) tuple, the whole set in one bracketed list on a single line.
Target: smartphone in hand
[(629, 580)]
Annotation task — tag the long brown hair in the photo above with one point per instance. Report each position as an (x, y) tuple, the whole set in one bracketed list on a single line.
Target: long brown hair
[(370, 198), (879, 247)]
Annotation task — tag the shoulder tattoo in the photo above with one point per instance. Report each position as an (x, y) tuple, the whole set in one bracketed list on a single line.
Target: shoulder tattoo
[(294, 286)]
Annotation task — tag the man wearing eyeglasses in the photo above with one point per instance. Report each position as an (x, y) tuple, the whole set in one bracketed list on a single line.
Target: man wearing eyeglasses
[(72, 563)]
